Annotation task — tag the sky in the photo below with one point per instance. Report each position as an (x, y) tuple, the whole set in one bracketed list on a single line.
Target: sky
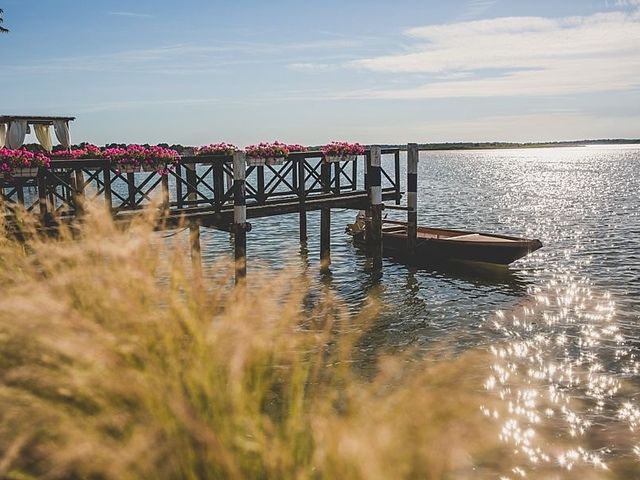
[(373, 71)]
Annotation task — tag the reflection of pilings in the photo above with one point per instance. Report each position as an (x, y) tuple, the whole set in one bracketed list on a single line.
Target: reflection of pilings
[(412, 197), (374, 234), (240, 215)]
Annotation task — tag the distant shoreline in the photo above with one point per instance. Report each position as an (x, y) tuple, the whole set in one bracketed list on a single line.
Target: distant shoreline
[(513, 145)]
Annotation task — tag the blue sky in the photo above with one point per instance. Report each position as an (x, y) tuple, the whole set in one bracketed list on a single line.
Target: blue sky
[(374, 71)]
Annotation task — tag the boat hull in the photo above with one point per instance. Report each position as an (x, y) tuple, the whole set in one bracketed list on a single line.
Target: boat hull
[(438, 245)]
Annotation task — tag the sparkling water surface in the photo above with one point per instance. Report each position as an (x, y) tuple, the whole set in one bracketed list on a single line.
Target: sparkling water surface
[(561, 323)]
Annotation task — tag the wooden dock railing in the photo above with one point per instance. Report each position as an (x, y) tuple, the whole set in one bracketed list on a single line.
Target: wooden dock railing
[(201, 190)]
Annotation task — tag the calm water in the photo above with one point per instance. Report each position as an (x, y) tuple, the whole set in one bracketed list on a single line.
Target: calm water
[(561, 323)]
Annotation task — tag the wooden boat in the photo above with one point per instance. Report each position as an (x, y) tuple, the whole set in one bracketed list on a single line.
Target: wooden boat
[(436, 245)]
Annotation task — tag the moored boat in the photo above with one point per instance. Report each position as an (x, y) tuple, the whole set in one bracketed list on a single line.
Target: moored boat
[(434, 245)]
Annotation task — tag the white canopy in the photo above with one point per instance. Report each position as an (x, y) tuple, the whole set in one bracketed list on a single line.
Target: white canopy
[(14, 128)]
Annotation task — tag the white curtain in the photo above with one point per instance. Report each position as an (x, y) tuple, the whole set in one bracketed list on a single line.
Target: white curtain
[(44, 136), (3, 134), (61, 127), (17, 132)]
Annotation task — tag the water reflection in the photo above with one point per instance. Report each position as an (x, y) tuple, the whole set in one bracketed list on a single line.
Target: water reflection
[(565, 339), (564, 401)]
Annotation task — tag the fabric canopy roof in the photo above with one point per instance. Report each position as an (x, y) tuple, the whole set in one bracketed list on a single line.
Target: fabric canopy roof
[(13, 129)]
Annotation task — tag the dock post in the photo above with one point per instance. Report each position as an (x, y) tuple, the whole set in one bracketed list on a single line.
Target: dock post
[(196, 252), (194, 227), (325, 238), (79, 191), (325, 220), (131, 189), (240, 215), (166, 198), (412, 197), (374, 176), (42, 196), (106, 178), (301, 196)]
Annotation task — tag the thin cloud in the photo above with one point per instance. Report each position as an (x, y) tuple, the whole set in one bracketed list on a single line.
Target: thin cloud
[(309, 67), (517, 56), (130, 14), (475, 8), (186, 59)]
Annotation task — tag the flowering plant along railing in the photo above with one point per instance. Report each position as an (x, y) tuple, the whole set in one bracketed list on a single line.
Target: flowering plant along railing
[(134, 158), (91, 151), (342, 151), (85, 151), (266, 153), (216, 149), (71, 153), (21, 162), (296, 147), (159, 159)]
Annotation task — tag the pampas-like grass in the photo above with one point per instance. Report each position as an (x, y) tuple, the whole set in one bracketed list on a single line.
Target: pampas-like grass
[(117, 362)]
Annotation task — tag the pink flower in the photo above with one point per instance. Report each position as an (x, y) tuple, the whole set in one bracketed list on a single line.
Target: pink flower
[(21, 158), (267, 150), (216, 149), (341, 149)]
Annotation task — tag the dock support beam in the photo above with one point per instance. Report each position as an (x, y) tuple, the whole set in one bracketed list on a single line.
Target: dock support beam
[(325, 220), (239, 215), (325, 238), (412, 198), (194, 227), (374, 234), (301, 196), (196, 251)]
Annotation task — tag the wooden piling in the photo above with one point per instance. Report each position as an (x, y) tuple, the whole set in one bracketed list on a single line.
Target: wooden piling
[(301, 196), (325, 238), (131, 189), (412, 197), (240, 215), (374, 233), (42, 197), (76, 181), (196, 253), (166, 199), (194, 226), (396, 159), (106, 178), (325, 219)]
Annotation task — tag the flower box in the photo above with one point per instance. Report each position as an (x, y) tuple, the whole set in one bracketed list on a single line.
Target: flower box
[(226, 149), (22, 163), (266, 154), (340, 158), (130, 168), (260, 162), (25, 172), (341, 152), (149, 168)]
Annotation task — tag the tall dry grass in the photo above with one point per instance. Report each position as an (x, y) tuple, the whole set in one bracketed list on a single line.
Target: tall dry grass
[(116, 362)]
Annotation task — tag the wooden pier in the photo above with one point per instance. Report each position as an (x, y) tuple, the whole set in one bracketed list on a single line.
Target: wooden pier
[(221, 192)]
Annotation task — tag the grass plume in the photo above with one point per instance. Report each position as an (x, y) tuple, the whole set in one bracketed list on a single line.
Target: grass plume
[(116, 362)]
